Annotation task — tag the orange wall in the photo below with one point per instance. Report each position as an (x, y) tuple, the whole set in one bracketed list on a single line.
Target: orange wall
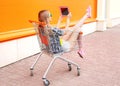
[(14, 15)]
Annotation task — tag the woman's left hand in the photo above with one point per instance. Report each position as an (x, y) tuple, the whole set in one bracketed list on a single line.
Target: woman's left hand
[(69, 15)]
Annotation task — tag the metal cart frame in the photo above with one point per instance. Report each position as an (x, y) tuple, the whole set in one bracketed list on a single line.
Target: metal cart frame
[(55, 56)]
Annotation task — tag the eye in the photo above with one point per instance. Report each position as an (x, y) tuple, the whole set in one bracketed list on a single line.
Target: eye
[(50, 15)]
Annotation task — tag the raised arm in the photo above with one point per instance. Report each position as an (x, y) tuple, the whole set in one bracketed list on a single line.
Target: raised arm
[(68, 21), (59, 21)]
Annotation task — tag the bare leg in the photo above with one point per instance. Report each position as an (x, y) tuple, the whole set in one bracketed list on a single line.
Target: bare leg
[(68, 33), (80, 41), (76, 28), (80, 51), (81, 21), (72, 36)]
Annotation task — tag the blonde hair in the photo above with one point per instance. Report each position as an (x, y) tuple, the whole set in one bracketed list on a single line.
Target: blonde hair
[(43, 15)]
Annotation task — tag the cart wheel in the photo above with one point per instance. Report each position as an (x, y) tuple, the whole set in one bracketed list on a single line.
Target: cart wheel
[(31, 71), (46, 82), (78, 71), (69, 66)]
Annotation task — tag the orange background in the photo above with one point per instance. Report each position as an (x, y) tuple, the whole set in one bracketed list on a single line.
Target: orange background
[(14, 15)]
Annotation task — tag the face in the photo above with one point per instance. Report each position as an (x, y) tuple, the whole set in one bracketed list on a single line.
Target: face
[(50, 16), (45, 16)]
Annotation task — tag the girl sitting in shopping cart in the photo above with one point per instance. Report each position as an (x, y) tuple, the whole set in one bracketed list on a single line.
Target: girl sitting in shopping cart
[(62, 40)]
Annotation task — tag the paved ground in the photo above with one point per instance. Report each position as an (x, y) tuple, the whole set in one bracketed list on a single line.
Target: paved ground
[(100, 66)]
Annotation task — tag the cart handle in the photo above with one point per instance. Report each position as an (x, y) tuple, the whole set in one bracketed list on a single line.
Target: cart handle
[(39, 23)]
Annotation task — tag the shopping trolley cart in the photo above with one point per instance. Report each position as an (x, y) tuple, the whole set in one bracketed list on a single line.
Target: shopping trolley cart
[(44, 46)]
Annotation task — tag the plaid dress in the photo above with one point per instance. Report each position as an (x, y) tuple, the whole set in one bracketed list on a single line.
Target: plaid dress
[(54, 41)]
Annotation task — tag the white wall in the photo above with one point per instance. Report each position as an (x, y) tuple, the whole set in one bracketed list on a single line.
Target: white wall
[(114, 8), (113, 12), (15, 50)]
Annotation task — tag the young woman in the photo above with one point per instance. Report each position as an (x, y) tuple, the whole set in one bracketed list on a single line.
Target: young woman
[(60, 40)]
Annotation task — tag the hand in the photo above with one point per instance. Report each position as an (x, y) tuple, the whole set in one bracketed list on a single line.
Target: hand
[(69, 15)]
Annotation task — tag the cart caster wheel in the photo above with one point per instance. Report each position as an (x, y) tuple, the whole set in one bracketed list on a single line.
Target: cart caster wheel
[(31, 72), (69, 66), (78, 71), (46, 82)]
